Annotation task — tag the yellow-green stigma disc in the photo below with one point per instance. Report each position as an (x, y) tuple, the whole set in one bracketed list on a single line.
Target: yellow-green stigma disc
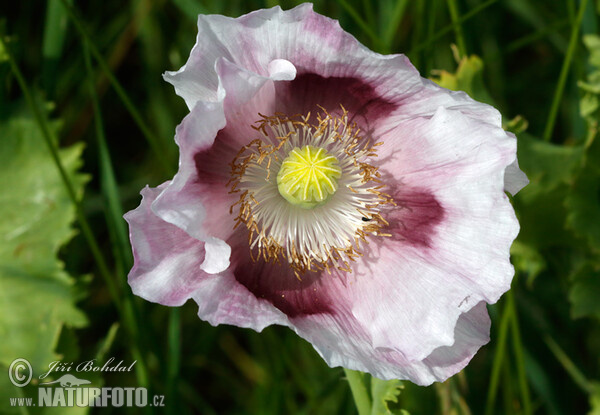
[(308, 176)]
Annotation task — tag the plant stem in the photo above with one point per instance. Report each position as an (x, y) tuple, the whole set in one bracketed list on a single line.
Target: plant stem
[(360, 391)]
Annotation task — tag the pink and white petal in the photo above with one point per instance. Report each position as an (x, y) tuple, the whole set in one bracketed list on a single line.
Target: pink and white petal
[(450, 236), (448, 147), (198, 198), (178, 203), (351, 347), (222, 299), (312, 43), (167, 270), (167, 261), (431, 96), (327, 311), (472, 331)]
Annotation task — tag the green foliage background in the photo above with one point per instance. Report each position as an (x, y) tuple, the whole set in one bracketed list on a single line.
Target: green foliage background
[(81, 88)]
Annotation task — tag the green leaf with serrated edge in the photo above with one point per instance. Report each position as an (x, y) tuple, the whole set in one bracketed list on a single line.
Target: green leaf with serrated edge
[(37, 297), (385, 397), (592, 43), (547, 165), (584, 291), (583, 201), (589, 105), (468, 77), (583, 204), (551, 169)]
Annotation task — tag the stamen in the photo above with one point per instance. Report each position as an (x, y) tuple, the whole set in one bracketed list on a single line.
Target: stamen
[(308, 194)]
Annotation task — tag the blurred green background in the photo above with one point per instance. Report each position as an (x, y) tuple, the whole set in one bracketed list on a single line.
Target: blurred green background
[(87, 77)]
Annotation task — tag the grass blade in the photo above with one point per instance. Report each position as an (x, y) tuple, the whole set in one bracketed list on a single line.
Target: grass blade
[(55, 29), (457, 24), (518, 349), (361, 23), (498, 360), (146, 131), (448, 28), (562, 79), (394, 22)]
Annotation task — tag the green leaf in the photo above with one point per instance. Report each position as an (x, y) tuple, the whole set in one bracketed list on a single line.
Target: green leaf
[(583, 201), (594, 398), (468, 77), (592, 43), (589, 104), (541, 204), (37, 297), (583, 204), (385, 397), (547, 165), (584, 292)]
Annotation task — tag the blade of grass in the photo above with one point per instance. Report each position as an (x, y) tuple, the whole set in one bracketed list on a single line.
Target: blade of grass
[(173, 359), (498, 360), (108, 183), (370, 16), (108, 341), (470, 14), (578, 377), (190, 8), (116, 224), (426, 53), (392, 26), (146, 131), (151, 40), (457, 24), (125, 310), (55, 29), (562, 79), (361, 23), (508, 396), (539, 34), (520, 361)]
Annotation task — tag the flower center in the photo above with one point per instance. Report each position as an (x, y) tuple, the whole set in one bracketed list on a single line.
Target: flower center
[(308, 193), (308, 176)]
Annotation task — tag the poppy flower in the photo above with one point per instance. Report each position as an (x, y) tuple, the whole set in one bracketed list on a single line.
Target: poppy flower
[(333, 190)]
